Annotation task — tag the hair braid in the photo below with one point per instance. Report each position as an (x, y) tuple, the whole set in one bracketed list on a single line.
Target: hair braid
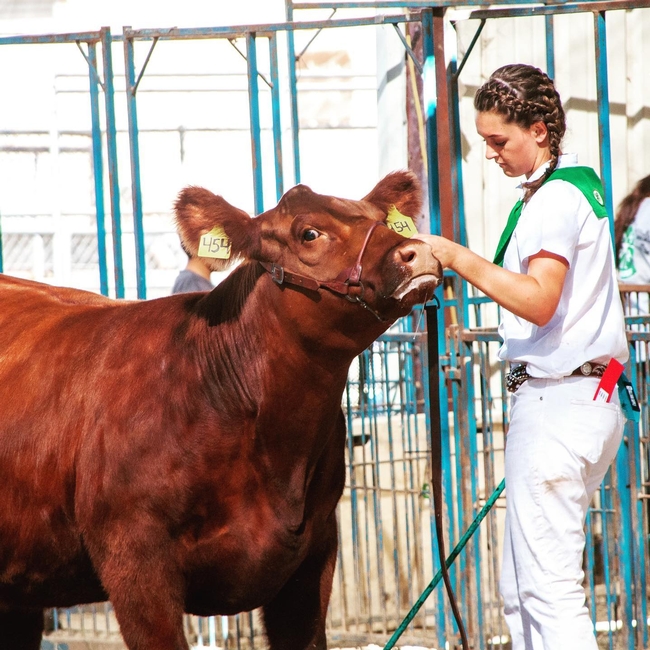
[(525, 95)]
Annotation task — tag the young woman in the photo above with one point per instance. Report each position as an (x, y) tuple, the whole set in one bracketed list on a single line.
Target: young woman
[(562, 323)]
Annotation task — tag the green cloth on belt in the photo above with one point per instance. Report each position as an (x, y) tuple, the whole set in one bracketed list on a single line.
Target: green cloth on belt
[(584, 178)]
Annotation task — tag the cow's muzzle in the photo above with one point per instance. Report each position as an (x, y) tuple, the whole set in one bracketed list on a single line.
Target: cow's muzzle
[(418, 267)]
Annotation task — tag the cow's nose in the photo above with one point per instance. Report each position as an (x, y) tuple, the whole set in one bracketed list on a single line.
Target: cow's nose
[(409, 252), (417, 256)]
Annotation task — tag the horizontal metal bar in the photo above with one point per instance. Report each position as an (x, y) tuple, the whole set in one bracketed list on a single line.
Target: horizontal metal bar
[(399, 337), (392, 4), (469, 336), (87, 37), (551, 9), (633, 288), (240, 31)]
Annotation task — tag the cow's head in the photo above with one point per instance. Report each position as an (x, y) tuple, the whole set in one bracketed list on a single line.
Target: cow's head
[(319, 244)]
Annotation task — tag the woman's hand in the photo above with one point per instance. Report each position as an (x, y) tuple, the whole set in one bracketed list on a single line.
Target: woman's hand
[(443, 249), (533, 296)]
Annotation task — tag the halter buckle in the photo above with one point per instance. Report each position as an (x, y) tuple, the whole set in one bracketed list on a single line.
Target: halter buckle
[(277, 273)]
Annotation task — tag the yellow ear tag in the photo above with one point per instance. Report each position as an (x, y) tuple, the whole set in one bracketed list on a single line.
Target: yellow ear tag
[(400, 223), (215, 244)]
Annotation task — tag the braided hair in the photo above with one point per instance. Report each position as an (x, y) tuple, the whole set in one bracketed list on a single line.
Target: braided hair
[(627, 211), (524, 95)]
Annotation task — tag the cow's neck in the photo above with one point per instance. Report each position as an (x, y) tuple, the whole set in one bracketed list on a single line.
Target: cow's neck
[(282, 361)]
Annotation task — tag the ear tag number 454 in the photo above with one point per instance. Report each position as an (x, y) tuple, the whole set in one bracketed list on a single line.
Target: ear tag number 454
[(400, 223), (215, 244)]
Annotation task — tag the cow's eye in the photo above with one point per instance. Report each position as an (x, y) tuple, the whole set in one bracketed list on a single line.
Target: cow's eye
[(310, 234)]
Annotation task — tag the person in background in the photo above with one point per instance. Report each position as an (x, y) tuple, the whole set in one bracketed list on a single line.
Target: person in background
[(194, 277), (562, 324), (632, 235)]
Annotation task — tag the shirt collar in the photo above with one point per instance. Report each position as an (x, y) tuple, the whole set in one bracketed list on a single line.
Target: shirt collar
[(565, 160)]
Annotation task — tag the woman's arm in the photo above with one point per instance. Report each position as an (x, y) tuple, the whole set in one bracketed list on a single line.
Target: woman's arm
[(533, 296)]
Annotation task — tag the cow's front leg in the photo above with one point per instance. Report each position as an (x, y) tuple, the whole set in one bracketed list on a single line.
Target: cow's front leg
[(295, 618), (145, 588)]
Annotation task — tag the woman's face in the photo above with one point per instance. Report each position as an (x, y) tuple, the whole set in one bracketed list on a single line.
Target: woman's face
[(518, 151)]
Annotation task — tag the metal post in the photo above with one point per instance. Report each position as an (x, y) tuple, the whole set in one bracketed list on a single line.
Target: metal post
[(550, 45), (624, 542), (98, 168), (602, 92), (134, 147), (430, 96), (466, 416), (277, 124), (293, 93), (111, 149), (254, 108), (429, 88), (634, 432)]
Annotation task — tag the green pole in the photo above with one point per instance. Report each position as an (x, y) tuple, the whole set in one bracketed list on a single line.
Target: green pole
[(448, 562)]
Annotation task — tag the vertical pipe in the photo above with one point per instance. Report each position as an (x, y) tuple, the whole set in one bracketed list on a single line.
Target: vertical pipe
[(430, 97), (622, 459), (98, 168), (609, 551), (293, 93), (635, 435), (550, 45), (254, 108), (134, 147), (602, 94), (466, 411), (277, 123), (111, 149), (625, 540)]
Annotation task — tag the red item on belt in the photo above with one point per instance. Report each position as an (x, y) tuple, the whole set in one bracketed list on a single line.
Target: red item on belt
[(608, 381)]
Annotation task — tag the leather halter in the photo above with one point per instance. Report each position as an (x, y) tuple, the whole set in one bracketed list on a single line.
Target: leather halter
[(346, 280)]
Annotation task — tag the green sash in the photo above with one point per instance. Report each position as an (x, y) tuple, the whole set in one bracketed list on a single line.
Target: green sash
[(584, 178)]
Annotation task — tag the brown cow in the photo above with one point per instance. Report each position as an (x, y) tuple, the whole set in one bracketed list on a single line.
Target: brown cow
[(187, 453)]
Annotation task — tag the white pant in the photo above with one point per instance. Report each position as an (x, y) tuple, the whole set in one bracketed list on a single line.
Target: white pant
[(558, 448)]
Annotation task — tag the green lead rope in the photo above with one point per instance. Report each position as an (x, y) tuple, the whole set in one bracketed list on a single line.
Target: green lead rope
[(449, 561)]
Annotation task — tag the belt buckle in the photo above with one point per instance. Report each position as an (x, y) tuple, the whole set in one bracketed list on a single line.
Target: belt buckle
[(516, 377)]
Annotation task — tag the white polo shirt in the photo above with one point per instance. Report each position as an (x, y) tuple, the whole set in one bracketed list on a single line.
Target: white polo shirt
[(588, 324)]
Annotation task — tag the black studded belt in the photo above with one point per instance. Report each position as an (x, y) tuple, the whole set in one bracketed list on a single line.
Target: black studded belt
[(518, 375)]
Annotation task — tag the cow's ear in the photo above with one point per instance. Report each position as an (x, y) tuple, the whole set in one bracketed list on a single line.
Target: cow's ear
[(200, 212), (401, 189)]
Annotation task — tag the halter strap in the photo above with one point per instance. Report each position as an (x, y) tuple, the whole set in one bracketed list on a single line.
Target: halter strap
[(350, 277)]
